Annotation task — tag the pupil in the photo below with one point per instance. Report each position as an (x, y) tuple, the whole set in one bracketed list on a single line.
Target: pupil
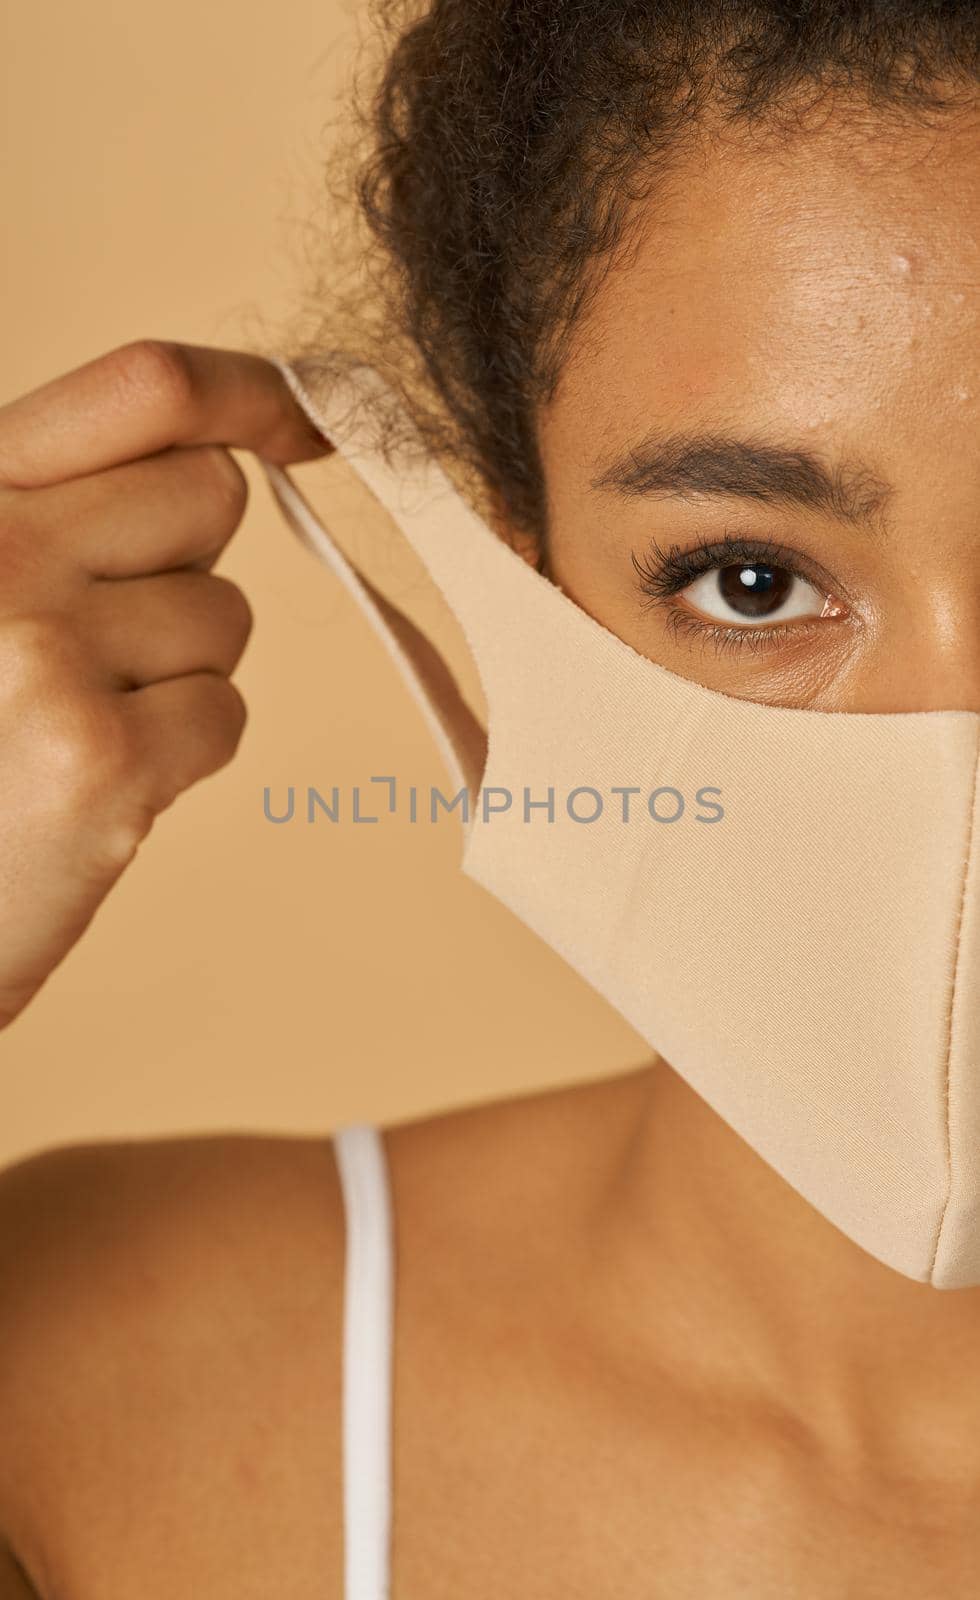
[(754, 590)]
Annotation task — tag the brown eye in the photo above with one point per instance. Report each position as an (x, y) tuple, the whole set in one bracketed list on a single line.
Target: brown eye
[(744, 592)]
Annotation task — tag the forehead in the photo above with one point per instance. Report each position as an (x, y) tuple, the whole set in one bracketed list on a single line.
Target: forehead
[(823, 281)]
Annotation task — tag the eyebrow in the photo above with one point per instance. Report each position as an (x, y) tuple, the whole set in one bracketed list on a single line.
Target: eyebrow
[(687, 465)]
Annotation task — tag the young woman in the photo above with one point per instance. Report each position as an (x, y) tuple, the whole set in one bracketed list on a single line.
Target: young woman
[(697, 287)]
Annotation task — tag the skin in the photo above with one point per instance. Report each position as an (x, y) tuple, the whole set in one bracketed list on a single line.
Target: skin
[(666, 1385)]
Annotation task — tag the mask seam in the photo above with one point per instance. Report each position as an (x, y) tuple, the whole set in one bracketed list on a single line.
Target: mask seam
[(952, 1003)]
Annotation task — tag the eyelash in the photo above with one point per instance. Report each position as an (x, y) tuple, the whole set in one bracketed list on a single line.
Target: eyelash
[(663, 573)]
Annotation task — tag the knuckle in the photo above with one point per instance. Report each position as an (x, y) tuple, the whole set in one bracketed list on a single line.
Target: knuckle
[(224, 478), (87, 749), (232, 720), (239, 611), (123, 835), (217, 718), (36, 651), (155, 367)]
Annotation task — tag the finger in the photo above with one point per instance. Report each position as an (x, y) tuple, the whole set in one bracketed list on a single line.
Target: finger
[(147, 396), (163, 511), (182, 729), (143, 630)]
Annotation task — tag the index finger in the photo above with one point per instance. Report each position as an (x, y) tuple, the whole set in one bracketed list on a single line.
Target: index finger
[(147, 396)]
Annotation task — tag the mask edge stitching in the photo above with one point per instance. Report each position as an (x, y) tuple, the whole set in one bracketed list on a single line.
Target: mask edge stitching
[(952, 998)]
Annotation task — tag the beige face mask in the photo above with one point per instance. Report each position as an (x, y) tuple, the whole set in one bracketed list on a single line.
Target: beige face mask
[(808, 959)]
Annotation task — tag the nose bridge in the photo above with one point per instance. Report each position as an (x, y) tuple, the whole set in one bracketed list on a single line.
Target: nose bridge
[(953, 682), (955, 686), (951, 642), (928, 585), (936, 666)]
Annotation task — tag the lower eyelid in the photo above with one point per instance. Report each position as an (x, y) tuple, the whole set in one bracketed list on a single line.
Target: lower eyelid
[(724, 636)]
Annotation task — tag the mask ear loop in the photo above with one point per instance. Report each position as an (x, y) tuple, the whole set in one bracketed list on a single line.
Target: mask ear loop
[(461, 739)]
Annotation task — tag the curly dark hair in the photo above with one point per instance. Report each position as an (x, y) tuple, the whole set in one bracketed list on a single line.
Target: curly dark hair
[(506, 141)]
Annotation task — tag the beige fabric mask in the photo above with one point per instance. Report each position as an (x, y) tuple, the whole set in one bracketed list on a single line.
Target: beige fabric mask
[(809, 961)]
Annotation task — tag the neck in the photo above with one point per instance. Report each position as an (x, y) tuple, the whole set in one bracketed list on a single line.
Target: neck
[(736, 1281)]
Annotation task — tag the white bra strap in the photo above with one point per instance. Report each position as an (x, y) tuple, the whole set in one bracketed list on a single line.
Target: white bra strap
[(459, 735), (367, 1362)]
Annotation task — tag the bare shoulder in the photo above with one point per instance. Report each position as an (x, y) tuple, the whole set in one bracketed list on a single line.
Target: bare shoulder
[(171, 1333), (165, 1304), (138, 1227)]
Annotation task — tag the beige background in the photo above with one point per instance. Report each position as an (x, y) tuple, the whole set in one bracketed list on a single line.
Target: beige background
[(161, 170)]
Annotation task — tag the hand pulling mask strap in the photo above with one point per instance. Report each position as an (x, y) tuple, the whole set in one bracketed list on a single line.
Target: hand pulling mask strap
[(802, 944)]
